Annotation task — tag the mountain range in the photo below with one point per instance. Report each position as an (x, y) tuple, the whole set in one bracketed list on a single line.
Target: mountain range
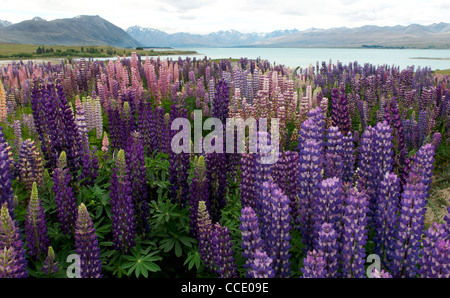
[(94, 30), (81, 30)]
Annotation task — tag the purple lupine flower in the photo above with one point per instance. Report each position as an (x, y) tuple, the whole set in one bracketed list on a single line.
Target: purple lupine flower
[(146, 126), (247, 185), (122, 207), (285, 175), (135, 157), (435, 260), (179, 164), (340, 114), (205, 229), (423, 166), (199, 191), (10, 239), (251, 236), (261, 266), (6, 191), (50, 265), (86, 245), (348, 157), (35, 226), (410, 228), (221, 247), (314, 265), (328, 245), (334, 153), (162, 139), (380, 274), (436, 140), (216, 166), (30, 164), (421, 127), (64, 196), (89, 162), (312, 128), (386, 215), (221, 101), (262, 170), (9, 267), (328, 206), (354, 236), (276, 217), (309, 178)]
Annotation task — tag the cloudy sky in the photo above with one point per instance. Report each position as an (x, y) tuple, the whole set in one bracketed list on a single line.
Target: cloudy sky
[(205, 16)]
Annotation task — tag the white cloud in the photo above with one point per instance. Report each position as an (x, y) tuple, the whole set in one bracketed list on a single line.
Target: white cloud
[(203, 16)]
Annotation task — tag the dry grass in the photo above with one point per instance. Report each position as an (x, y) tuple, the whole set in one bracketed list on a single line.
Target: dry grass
[(437, 206)]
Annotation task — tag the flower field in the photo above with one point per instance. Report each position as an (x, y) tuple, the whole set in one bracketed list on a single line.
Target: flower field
[(91, 187)]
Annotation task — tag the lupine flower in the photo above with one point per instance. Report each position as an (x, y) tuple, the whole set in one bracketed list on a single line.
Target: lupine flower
[(334, 157), (261, 266), (86, 243), (6, 191), (276, 219), (386, 215), (105, 143), (135, 157), (309, 178), (30, 164), (64, 196), (328, 205), (122, 207), (328, 245), (247, 185), (10, 239), (435, 261), (314, 265), (410, 227), (354, 236), (251, 236), (50, 265), (199, 191), (423, 165), (205, 229), (221, 247), (216, 166), (35, 226), (179, 164)]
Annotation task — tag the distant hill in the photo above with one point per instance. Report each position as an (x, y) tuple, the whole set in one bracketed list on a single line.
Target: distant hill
[(81, 30), (412, 36), (4, 23)]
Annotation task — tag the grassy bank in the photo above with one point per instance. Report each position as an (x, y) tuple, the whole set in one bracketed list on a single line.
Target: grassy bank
[(26, 51)]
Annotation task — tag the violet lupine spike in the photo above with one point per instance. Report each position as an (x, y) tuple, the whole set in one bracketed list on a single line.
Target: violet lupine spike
[(86, 245), (199, 191), (251, 236), (340, 114), (382, 162), (354, 236), (310, 169), (328, 206), (30, 164), (312, 128), (122, 207), (262, 170), (35, 226), (334, 153), (314, 265), (50, 265), (261, 266), (10, 238), (6, 191), (247, 185), (285, 175), (276, 219), (348, 157), (179, 164), (216, 166), (135, 157), (423, 165), (436, 140), (223, 253), (89, 163), (386, 216), (435, 261), (410, 228), (9, 267), (205, 228), (328, 245), (64, 196)]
